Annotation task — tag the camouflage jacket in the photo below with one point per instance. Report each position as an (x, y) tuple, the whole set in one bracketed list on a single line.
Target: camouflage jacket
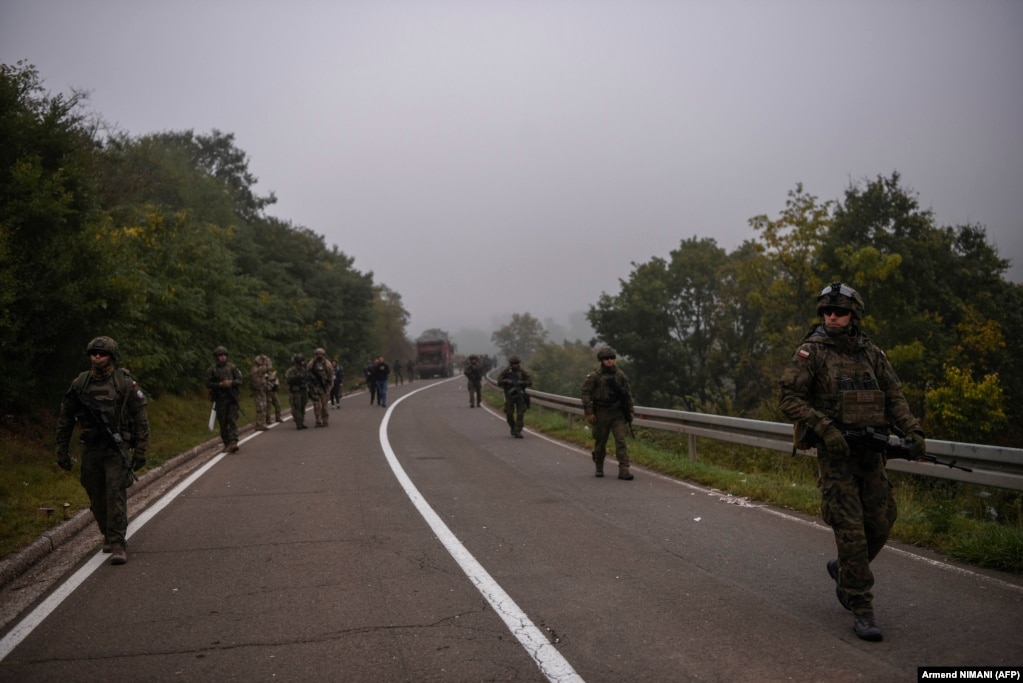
[(810, 385), (606, 391), (216, 374), (122, 402)]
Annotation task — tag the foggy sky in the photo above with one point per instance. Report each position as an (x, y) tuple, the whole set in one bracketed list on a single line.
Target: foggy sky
[(487, 158)]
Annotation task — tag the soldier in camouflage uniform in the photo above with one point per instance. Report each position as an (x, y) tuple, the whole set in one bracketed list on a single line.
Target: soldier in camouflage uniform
[(838, 380), (608, 405), (297, 378), (514, 380), (111, 410), (224, 381), (321, 378), (474, 379), (259, 382), (273, 384)]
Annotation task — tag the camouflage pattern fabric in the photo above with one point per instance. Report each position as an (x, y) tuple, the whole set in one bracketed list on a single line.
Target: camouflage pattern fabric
[(105, 475), (856, 497), (225, 399)]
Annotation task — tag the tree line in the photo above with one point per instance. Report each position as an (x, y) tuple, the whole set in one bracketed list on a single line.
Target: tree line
[(708, 330), (161, 242)]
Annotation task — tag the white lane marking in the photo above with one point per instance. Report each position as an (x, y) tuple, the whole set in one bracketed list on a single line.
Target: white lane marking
[(47, 606), (555, 667)]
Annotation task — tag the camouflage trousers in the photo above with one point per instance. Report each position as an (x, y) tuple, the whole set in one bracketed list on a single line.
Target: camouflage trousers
[(259, 397), (227, 417), (515, 414), (857, 502), (275, 403), (105, 478), (321, 407), (475, 392), (298, 403), (610, 423)]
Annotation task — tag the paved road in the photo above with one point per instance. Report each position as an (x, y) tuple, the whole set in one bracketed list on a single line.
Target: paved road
[(307, 556)]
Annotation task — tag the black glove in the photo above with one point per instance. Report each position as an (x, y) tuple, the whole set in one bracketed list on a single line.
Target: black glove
[(64, 461), (834, 442), (917, 444), (137, 462)]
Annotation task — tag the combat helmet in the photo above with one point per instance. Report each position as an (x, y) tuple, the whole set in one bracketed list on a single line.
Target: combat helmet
[(319, 352), (298, 358), (838, 295), (220, 350), (514, 360), (606, 351), (105, 344)]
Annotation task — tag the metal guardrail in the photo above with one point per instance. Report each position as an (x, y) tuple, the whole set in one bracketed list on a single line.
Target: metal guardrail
[(992, 465)]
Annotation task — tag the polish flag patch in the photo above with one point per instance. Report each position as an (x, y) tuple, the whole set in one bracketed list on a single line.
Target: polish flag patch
[(803, 353)]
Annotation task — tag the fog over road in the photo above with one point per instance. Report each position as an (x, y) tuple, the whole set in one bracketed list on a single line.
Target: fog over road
[(307, 556)]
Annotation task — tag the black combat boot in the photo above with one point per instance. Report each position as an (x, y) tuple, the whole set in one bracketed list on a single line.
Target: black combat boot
[(599, 463), (839, 591), (866, 629), (623, 472)]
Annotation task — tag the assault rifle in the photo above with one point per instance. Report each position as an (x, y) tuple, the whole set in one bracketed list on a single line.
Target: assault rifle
[(516, 392), (893, 447), (93, 410)]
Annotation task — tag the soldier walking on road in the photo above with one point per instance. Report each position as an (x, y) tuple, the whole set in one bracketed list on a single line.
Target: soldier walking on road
[(297, 378), (474, 380), (514, 380), (381, 372), (608, 404), (839, 380), (321, 378), (411, 367), (259, 383), (224, 381), (111, 409)]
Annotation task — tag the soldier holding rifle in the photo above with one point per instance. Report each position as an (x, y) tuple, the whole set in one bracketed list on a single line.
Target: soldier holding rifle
[(514, 380), (111, 410), (839, 381)]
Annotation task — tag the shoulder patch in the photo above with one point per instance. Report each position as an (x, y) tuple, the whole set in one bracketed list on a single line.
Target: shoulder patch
[(803, 353)]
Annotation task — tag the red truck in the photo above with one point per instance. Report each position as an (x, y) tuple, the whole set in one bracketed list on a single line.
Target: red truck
[(434, 359)]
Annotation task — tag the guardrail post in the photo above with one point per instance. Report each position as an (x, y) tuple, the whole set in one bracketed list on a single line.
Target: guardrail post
[(692, 448)]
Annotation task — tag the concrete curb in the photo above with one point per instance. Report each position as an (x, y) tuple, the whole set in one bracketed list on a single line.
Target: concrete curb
[(17, 564)]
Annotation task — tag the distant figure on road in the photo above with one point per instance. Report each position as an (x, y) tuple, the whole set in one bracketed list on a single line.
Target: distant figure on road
[(224, 381), (259, 384), (335, 388), (297, 378), (111, 408), (399, 375), (411, 367), (371, 383), (321, 379), (840, 380), (514, 380), (608, 404), (381, 371), (473, 372)]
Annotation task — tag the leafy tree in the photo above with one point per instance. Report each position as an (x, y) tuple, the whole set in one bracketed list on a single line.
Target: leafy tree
[(665, 320), (50, 302), (965, 409), (391, 323), (522, 336), (561, 368)]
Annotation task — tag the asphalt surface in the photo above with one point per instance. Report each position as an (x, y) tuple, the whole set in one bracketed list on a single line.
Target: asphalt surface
[(304, 556)]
